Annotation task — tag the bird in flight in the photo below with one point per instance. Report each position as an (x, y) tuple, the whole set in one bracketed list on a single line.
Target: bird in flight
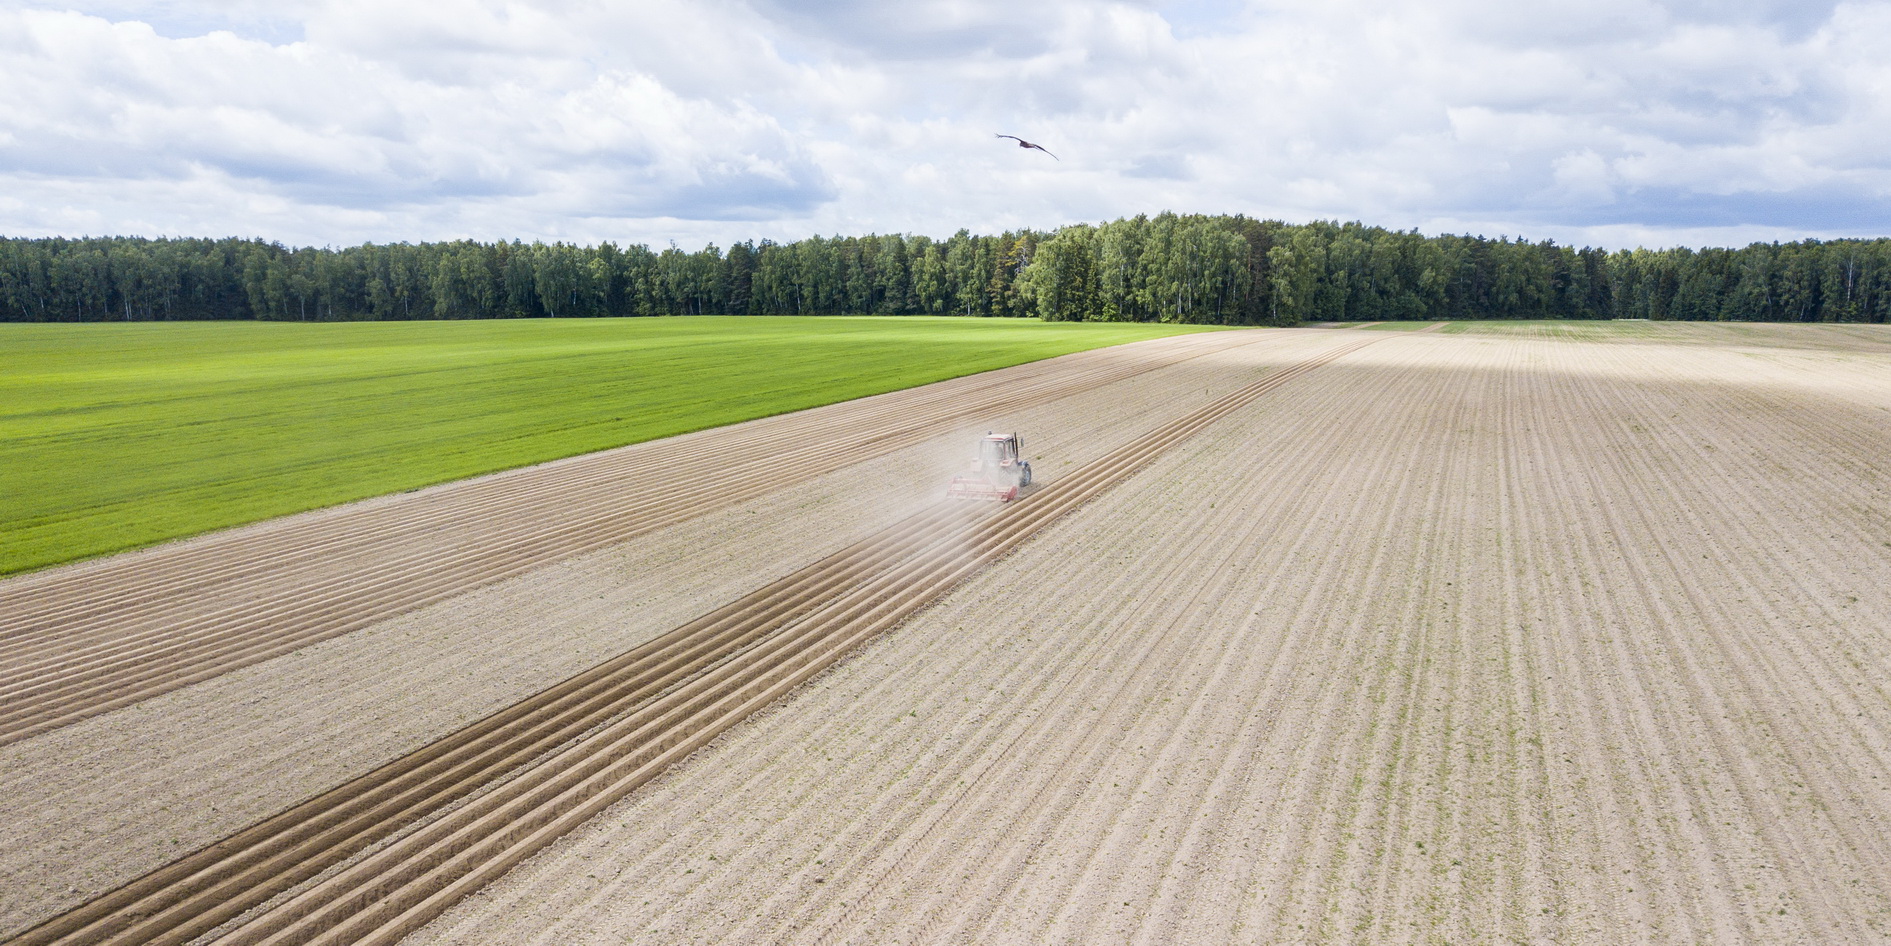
[(1026, 144)]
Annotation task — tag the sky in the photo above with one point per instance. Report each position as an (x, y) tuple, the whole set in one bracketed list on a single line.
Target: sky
[(1613, 123)]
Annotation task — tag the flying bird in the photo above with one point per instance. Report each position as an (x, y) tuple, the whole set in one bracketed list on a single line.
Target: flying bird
[(1026, 144)]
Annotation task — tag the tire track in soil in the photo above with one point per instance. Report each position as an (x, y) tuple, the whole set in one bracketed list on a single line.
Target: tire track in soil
[(920, 844), (1377, 822), (1716, 651), (112, 798), (1644, 707), (752, 920), (1387, 887), (1525, 506), (699, 691), (946, 913), (80, 844), (1023, 824), (988, 729), (1336, 851), (1562, 874), (1599, 794), (939, 775), (772, 921), (1354, 716), (1558, 533), (865, 833), (1212, 839), (83, 640), (1531, 898), (1014, 828), (1699, 642), (1361, 517), (1665, 706), (1209, 714)]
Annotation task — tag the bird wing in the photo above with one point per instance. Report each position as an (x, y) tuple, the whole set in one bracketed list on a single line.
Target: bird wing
[(1026, 144)]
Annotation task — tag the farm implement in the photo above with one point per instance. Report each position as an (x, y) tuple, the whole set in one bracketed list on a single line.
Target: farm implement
[(998, 473)]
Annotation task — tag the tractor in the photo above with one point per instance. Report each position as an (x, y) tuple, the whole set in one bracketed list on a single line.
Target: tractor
[(998, 473)]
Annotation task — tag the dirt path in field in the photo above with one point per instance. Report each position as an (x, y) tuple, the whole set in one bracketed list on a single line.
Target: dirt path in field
[(1463, 639), (108, 798)]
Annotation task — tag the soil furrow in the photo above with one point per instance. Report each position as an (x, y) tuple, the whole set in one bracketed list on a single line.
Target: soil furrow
[(270, 616), (448, 862), (305, 840), (1463, 638), (1482, 621), (128, 828), (466, 858)]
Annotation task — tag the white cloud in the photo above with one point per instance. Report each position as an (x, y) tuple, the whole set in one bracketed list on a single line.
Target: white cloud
[(1584, 177), (336, 121)]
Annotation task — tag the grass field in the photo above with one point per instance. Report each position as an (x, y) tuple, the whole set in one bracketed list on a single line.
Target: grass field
[(115, 436)]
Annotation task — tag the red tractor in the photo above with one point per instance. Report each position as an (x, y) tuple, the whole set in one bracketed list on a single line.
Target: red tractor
[(997, 474)]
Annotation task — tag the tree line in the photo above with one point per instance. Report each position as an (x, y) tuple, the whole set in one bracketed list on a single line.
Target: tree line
[(1229, 270)]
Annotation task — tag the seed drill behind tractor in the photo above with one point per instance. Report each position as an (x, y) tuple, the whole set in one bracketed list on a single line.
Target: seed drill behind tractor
[(998, 473)]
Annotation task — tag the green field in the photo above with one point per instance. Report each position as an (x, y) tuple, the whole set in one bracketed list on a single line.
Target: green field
[(114, 436)]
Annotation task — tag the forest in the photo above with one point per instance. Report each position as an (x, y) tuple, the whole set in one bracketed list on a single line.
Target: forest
[(1224, 270)]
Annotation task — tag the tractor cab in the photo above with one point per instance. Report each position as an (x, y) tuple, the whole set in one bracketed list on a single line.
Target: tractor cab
[(997, 474), (998, 451)]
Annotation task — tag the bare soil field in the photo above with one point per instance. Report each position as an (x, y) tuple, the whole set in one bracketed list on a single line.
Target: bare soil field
[(96, 802), (1458, 639), (1836, 337), (1451, 637)]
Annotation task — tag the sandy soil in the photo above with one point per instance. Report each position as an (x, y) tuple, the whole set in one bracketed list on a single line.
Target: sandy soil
[(1459, 639), (1836, 337), (95, 803)]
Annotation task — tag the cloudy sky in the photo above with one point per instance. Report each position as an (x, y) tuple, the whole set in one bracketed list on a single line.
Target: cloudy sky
[(332, 122)]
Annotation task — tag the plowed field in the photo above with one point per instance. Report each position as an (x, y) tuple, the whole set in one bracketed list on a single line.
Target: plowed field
[(1310, 635)]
